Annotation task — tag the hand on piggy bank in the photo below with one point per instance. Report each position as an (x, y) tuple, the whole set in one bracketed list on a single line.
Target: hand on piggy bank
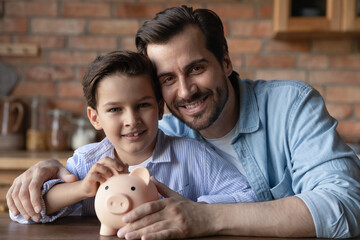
[(121, 193)]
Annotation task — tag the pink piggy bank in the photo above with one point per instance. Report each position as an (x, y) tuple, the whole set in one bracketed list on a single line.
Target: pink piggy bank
[(121, 193)]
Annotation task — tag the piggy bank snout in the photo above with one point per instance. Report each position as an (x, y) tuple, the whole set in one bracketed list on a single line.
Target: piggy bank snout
[(118, 204)]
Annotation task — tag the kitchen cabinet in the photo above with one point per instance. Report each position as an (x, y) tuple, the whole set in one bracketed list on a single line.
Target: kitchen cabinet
[(329, 18), (13, 163)]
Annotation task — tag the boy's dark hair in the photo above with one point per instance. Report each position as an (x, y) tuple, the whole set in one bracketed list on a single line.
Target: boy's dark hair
[(123, 62), (172, 21)]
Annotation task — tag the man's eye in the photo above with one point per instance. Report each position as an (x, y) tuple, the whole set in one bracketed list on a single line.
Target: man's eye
[(166, 80), (196, 69)]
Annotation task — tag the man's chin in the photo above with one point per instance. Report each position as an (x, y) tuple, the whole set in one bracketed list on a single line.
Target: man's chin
[(196, 121)]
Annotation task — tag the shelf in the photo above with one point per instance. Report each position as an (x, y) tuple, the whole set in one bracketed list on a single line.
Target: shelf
[(22, 160)]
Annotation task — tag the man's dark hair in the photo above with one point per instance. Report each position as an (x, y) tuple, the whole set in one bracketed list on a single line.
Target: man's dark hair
[(172, 21), (122, 62)]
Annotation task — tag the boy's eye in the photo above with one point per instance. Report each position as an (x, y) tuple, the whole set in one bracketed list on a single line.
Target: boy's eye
[(143, 105), (114, 109)]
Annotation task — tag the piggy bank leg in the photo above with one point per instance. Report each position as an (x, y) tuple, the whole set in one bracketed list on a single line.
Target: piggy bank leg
[(107, 231)]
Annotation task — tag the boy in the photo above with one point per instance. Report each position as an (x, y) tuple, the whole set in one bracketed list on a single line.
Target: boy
[(125, 101)]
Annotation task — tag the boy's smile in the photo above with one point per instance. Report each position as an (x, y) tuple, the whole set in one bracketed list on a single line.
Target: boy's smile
[(128, 113)]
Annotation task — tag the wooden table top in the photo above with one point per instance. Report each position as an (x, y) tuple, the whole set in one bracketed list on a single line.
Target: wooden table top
[(78, 228)]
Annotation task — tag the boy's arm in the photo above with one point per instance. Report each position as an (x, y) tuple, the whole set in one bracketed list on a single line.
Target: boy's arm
[(62, 195)]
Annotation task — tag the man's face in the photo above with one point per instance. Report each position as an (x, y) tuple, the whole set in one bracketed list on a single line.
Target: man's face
[(194, 84)]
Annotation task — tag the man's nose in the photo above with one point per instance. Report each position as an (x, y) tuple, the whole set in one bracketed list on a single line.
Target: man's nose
[(186, 88)]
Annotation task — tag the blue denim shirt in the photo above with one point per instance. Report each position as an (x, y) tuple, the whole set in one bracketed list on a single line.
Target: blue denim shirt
[(288, 145)]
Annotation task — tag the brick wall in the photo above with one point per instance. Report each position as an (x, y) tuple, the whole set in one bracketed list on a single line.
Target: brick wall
[(71, 33)]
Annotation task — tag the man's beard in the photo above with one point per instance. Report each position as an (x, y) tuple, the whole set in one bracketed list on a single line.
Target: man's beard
[(203, 120)]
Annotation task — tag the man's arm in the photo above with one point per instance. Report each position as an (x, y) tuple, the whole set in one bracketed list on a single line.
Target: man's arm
[(24, 196), (177, 217)]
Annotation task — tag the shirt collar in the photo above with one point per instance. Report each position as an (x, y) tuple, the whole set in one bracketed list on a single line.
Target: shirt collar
[(249, 112)]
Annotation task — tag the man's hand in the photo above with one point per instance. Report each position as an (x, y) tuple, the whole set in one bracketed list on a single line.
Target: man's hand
[(171, 217), (24, 196)]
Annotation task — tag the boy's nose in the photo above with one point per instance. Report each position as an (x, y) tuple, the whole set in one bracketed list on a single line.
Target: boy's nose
[(131, 119)]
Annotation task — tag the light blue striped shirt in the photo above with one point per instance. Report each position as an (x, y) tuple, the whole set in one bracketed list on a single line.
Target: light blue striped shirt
[(187, 166)]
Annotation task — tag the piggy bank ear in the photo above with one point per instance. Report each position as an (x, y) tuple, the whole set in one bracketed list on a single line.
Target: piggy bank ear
[(142, 173)]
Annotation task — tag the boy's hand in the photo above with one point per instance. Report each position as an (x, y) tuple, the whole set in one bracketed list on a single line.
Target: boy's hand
[(100, 172), (24, 196)]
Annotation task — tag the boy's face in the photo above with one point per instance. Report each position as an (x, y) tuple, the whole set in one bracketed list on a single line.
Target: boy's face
[(194, 84), (128, 113)]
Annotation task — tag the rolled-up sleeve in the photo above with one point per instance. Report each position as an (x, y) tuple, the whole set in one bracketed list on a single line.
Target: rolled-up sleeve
[(325, 172)]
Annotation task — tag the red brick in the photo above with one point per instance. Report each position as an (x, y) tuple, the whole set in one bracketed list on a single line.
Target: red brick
[(313, 61), (85, 9), (343, 94), (14, 25), (5, 39), (265, 11), (93, 43), (70, 90), (281, 75), (288, 46), (113, 27), (357, 111), (40, 59), (137, 10), (49, 73), (58, 26), (76, 106), (340, 111), (332, 46), (345, 61), (262, 28), (349, 128), (236, 60), (44, 42), (128, 43), (338, 77), (246, 74), (28, 9), (73, 58), (30, 89), (238, 11), (238, 45), (320, 88), (273, 61), (80, 73)]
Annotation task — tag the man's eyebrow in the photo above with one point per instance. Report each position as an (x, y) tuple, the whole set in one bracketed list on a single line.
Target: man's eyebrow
[(187, 66)]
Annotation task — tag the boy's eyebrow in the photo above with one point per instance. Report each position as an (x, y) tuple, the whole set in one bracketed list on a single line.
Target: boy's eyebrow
[(139, 100), (187, 66)]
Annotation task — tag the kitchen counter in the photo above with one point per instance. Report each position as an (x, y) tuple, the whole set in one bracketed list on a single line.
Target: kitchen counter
[(13, 163)]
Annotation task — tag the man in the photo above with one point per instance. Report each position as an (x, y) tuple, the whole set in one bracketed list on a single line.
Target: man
[(278, 133)]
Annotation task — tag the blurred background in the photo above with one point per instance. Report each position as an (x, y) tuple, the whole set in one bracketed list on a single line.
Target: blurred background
[(45, 47)]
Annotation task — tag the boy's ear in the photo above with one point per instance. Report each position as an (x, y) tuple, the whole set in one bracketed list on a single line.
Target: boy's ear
[(93, 117), (161, 109)]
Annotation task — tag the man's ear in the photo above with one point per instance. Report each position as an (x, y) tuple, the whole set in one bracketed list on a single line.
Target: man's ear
[(227, 65), (161, 109), (94, 118)]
